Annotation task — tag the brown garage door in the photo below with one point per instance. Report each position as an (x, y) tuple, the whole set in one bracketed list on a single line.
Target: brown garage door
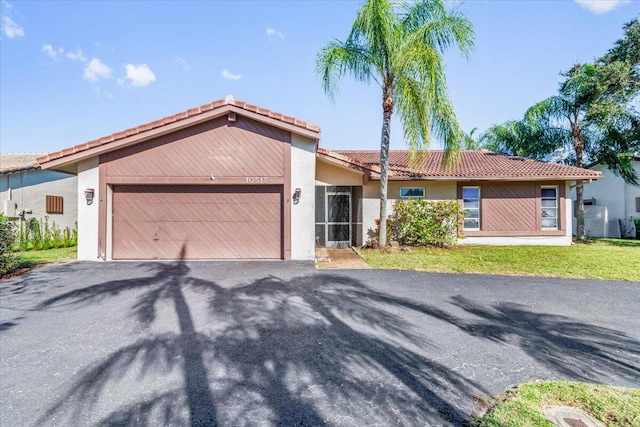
[(210, 222)]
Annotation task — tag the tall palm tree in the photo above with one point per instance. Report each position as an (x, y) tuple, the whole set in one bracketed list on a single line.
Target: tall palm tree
[(561, 119), (580, 120), (400, 47)]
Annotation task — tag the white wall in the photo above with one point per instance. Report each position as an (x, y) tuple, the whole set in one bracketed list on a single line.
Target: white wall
[(611, 191), (303, 172), (515, 241), (88, 177), (30, 188)]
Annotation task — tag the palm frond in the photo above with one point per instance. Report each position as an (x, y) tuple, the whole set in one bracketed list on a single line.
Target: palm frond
[(374, 27), (336, 59)]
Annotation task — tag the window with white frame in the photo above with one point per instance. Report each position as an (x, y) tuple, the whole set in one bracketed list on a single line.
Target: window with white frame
[(412, 192), (471, 208), (549, 203)]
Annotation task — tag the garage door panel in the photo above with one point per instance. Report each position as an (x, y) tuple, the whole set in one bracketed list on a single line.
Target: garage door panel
[(210, 222)]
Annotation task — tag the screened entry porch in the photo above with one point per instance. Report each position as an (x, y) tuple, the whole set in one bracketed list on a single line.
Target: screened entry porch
[(338, 216)]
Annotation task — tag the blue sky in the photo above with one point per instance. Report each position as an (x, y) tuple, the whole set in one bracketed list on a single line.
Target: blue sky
[(71, 72)]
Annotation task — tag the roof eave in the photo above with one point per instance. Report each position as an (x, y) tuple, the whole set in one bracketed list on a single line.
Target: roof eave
[(491, 178)]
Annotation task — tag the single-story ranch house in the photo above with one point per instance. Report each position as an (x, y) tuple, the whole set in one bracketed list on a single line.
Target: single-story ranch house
[(230, 180)]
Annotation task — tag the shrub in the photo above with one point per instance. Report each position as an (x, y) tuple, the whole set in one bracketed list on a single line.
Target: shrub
[(8, 260), (38, 235), (417, 222)]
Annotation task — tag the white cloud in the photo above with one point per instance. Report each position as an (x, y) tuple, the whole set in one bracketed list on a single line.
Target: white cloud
[(96, 70), (228, 75), (272, 33), (138, 75), (53, 53), (600, 6), (183, 63), (9, 27), (77, 56)]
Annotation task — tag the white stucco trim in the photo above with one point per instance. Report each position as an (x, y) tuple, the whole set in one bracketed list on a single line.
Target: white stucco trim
[(303, 173), (109, 225), (88, 177), (518, 241)]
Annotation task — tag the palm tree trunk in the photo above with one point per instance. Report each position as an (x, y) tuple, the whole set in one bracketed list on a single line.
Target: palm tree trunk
[(580, 232), (578, 145), (387, 110)]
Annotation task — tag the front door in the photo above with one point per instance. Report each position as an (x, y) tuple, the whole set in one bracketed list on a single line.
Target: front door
[(338, 215)]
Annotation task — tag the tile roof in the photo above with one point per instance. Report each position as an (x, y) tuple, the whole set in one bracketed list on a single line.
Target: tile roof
[(228, 100), (17, 162), (472, 164)]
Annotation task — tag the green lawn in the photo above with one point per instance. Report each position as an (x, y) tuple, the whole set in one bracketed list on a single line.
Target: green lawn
[(522, 406), (31, 258), (613, 259)]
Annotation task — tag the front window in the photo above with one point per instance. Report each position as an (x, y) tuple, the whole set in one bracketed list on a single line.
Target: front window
[(412, 192), (549, 202), (471, 207)]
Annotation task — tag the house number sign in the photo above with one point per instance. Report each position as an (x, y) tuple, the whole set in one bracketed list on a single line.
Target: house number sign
[(257, 180)]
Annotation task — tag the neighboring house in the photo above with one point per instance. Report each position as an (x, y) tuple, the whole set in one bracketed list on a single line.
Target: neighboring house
[(230, 180), (611, 204), (28, 192)]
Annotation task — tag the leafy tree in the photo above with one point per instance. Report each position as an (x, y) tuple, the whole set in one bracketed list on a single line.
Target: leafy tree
[(400, 47), (8, 260)]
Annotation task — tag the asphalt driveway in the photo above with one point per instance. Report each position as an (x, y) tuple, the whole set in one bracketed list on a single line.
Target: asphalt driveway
[(277, 343)]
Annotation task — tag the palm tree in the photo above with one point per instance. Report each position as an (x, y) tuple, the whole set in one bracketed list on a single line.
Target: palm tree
[(400, 47), (473, 140), (518, 138), (580, 120)]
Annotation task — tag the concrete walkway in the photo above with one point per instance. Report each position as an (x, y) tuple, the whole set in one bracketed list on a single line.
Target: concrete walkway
[(339, 259)]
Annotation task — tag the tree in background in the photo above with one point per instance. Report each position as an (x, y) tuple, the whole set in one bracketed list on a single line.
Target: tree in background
[(473, 140), (8, 260), (594, 116), (400, 46)]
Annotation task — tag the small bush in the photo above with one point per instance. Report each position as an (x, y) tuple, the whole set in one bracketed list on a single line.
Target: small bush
[(39, 235), (417, 222), (8, 260)]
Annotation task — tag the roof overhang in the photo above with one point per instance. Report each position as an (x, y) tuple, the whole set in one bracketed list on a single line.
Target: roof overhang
[(490, 178)]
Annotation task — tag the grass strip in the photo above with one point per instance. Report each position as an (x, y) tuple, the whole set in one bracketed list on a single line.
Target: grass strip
[(523, 405), (610, 259)]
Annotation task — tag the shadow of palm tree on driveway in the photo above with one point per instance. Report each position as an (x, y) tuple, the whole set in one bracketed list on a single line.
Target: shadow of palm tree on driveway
[(313, 350), (575, 350)]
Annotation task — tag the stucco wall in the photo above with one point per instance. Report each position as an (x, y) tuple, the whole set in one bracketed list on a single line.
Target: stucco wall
[(331, 174), (30, 188), (88, 177), (303, 172), (611, 191)]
